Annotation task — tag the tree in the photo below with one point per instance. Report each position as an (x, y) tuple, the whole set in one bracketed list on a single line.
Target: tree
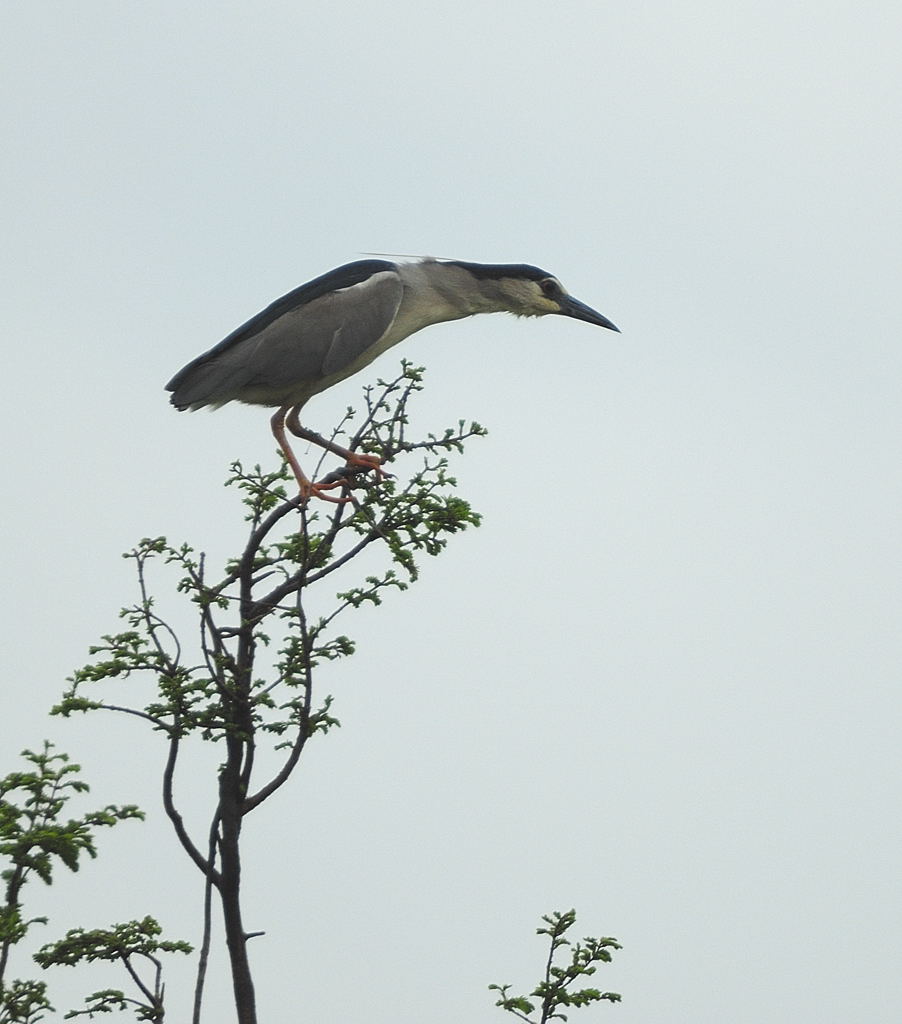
[(277, 596), (244, 683), (134, 944), (34, 839), (555, 989)]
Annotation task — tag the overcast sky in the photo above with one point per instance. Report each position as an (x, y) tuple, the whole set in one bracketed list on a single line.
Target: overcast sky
[(661, 684)]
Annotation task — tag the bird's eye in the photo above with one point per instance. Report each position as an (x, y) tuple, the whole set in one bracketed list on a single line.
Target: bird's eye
[(550, 287)]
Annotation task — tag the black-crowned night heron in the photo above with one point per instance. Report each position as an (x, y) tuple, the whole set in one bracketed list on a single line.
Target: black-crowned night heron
[(329, 328)]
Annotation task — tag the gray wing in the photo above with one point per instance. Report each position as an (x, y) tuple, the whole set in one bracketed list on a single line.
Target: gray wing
[(327, 335), (292, 353)]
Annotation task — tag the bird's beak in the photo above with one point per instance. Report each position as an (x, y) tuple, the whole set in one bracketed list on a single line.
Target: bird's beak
[(580, 311)]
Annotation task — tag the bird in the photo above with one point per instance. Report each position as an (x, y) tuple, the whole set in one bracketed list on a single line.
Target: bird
[(333, 326)]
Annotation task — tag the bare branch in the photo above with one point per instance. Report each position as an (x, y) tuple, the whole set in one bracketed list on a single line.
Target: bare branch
[(175, 817)]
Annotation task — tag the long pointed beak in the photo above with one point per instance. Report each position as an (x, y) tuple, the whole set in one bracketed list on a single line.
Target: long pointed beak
[(580, 311)]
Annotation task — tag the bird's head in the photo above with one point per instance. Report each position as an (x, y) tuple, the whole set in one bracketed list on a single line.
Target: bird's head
[(528, 291)]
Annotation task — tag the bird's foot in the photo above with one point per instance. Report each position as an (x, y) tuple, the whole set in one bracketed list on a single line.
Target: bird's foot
[(366, 462), (357, 465), (318, 488)]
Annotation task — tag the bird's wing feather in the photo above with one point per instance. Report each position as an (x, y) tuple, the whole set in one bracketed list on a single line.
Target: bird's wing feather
[(325, 336), (292, 344), (332, 281)]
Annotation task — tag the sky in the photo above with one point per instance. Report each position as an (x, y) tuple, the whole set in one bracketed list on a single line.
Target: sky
[(661, 683)]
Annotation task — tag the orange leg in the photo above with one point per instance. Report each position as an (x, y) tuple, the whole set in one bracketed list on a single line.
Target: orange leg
[(307, 486), (361, 460)]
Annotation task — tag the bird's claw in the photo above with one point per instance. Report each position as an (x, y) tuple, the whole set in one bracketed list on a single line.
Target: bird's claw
[(364, 462), (357, 466)]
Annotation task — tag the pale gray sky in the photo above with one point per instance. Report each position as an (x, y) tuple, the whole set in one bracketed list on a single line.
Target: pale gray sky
[(662, 683)]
